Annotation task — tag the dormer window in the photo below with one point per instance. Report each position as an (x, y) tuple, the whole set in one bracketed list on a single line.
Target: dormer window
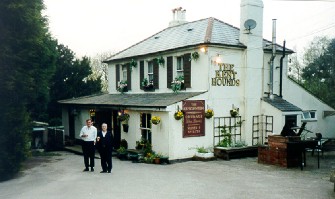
[(309, 116)]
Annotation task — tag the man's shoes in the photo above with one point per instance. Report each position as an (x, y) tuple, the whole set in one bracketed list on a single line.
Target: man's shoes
[(86, 169), (92, 169), (109, 171), (103, 172)]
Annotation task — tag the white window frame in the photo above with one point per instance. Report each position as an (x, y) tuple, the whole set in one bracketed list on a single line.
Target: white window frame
[(144, 127), (309, 116), (124, 72), (180, 66), (150, 71)]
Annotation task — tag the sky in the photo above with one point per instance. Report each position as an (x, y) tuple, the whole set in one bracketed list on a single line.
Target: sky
[(91, 27)]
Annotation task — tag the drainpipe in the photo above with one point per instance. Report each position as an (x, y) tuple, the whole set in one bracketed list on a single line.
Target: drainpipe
[(281, 73), (273, 56)]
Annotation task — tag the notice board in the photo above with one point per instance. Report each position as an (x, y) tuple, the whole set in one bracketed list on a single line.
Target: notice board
[(194, 118)]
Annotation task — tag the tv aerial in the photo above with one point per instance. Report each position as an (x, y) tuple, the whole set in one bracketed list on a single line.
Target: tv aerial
[(249, 25)]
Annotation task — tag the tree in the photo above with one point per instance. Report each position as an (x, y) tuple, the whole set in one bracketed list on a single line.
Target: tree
[(100, 69), (26, 61), (295, 67), (318, 75), (71, 79)]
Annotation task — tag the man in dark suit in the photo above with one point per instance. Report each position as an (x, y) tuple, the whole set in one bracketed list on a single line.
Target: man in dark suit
[(105, 147)]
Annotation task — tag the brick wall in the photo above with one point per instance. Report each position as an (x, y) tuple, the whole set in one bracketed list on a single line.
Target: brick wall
[(276, 152)]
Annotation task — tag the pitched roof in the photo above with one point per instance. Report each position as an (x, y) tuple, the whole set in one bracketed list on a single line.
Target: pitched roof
[(281, 104), (149, 100), (208, 31)]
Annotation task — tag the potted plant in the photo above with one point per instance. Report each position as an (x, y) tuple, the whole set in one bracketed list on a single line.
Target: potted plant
[(164, 159), (203, 153), (149, 157), (160, 61), (226, 141), (234, 112), (122, 86), (209, 113), (122, 153), (157, 158), (178, 115), (177, 84), (147, 85), (155, 120), (195, 56), (133, 63)]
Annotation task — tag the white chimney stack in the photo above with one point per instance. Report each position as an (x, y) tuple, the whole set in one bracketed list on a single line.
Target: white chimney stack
[(178, 17)]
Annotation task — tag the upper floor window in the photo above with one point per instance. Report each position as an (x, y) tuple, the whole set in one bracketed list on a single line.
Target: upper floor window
[(150, 71), (124, 72), (180, 66)]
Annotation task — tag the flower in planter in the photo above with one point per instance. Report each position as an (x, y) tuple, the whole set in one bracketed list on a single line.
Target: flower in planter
[(178, 115), (147, 85), (122, 86), (155, 120), (234, 112), (177, 84), (209, 113)]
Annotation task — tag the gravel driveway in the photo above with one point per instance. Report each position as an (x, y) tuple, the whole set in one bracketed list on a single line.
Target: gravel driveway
[(62, 177)]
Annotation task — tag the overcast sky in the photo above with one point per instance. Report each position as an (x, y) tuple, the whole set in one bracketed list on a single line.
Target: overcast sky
[(89, 27)]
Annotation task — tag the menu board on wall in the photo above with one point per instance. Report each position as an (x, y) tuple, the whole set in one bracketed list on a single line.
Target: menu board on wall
[(194, 118)]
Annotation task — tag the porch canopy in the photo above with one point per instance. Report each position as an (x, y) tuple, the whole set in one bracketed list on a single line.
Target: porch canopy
[(133, 100), (281, 104)]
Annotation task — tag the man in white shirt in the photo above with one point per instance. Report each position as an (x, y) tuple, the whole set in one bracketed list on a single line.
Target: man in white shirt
[(88, 134)]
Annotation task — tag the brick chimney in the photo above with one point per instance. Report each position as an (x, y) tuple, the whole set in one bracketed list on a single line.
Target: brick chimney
[(178, 17)]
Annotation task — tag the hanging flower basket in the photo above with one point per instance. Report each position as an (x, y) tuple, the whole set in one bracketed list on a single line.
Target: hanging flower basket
[(155, 120), (195, 56), (125, 127), (124, 117), (178, 115), (209, 113), (160, 60), (234, 112), (133, 63)]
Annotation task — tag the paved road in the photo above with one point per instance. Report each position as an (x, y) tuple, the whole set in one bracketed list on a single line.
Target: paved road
[(62, 177)]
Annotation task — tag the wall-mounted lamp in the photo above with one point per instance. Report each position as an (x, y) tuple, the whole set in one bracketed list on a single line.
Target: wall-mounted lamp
[(92, 112), (216, 59), (203, 49)]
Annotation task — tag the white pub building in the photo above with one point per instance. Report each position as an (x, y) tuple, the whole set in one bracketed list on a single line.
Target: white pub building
[(197, 66)]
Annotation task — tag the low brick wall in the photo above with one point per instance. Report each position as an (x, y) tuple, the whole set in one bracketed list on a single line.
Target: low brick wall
[(277, 153)]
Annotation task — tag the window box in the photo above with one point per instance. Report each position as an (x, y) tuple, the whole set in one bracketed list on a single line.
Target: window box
[(149, 88)]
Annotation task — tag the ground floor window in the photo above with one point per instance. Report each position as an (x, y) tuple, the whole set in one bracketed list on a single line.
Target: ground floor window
[(145, 126)]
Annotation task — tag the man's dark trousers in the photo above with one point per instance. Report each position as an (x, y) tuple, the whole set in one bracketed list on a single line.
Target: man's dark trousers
[(89, 152)]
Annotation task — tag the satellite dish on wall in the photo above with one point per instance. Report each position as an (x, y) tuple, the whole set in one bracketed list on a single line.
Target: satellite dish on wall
[(250, 24)]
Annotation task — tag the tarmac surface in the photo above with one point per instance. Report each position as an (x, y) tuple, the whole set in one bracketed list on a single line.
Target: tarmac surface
[(62, 177)]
